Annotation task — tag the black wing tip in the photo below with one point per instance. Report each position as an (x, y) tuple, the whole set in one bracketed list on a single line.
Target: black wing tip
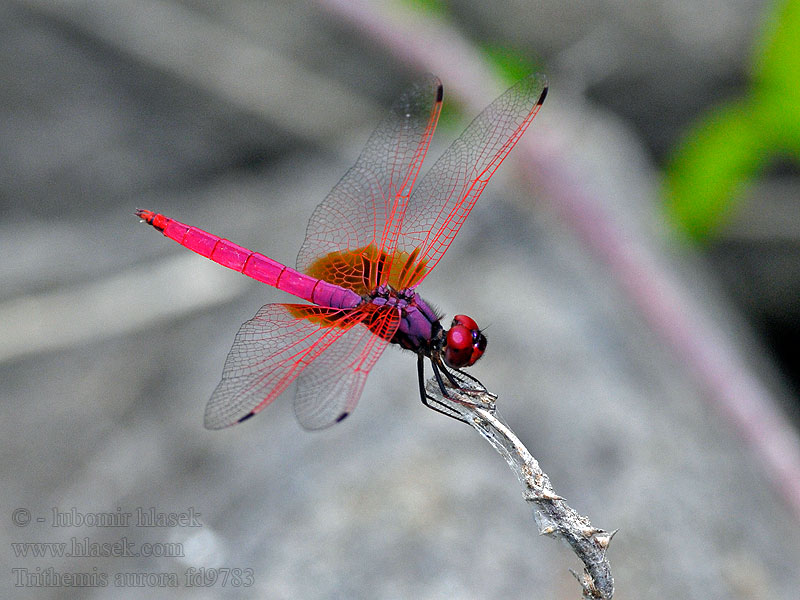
[(249, 415), (542, 96), (439, 92), (213, 426), (342, 417)]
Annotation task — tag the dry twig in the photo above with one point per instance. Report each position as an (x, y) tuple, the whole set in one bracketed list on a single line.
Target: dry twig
[(554, 517)]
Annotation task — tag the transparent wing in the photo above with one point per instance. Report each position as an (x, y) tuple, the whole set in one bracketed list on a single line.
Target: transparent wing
[(445, 195), (272, 349), (366, 207), (329, 389)]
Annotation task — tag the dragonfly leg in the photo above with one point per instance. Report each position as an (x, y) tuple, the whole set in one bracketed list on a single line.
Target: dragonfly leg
[(463, 386), (429, 401), (438, 366)]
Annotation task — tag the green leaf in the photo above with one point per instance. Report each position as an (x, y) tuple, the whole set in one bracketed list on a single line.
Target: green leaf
[(777, 60), (508, 63), (710, 167), (431, 7), (726, 149)]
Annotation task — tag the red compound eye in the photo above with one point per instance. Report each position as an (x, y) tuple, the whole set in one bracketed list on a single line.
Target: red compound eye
[(459, 346), (466, 321), (465, 343)]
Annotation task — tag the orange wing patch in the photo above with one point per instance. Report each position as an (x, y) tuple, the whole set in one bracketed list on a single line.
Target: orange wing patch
[(381, 320), (324, 316), (364, 269)]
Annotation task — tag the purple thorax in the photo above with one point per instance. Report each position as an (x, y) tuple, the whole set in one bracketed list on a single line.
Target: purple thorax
[(417, 318)]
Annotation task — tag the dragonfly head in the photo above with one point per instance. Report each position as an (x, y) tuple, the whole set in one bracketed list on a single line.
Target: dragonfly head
[(464, 343)]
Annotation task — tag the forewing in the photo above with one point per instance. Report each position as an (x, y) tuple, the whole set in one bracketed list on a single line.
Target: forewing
[(329, 389), (445, 195), (366, 207), (269, 352)]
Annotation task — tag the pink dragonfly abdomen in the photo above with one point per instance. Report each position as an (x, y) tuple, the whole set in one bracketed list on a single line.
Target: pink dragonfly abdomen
[(253, 264)]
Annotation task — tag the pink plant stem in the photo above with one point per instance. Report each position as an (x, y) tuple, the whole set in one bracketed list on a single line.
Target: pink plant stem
[(711, 356)]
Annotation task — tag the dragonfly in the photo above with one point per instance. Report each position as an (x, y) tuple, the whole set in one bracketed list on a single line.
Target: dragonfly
[(373, 239)]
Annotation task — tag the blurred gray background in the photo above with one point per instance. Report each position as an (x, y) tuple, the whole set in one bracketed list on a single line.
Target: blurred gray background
[(239, 117)]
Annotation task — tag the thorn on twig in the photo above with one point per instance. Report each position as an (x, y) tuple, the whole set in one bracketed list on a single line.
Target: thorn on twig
[(587, 583), (543, 496), (551, 530), (604, 538), (552, 496)]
